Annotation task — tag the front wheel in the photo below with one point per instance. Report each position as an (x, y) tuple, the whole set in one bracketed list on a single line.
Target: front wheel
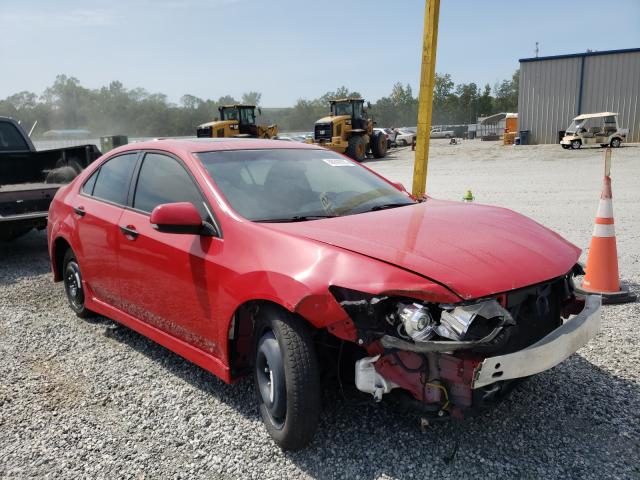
[(576, 144), (287, 379), (357, 148), (566, 147), (615, 143)]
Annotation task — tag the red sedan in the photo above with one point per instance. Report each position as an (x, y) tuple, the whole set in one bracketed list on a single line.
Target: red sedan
[(281, 260)]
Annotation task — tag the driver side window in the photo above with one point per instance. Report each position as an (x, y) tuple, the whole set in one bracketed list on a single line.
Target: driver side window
[(163, 180), (357, 110)]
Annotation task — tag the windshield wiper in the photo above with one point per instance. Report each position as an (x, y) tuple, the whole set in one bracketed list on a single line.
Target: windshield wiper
[(385, 206), (296, 218)]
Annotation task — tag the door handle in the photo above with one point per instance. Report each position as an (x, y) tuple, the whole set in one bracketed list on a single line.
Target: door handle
[(79, 211), (129, 231)]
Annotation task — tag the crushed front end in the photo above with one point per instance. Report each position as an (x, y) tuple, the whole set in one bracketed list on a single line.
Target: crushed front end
[(453, 359)]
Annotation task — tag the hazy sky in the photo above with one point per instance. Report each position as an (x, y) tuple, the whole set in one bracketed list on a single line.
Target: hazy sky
[(290, 49)]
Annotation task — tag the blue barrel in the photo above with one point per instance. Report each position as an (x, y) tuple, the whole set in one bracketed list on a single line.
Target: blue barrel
[(524, 137)]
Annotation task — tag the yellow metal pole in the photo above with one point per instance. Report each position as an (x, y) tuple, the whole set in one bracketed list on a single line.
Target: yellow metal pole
[(425, 97)]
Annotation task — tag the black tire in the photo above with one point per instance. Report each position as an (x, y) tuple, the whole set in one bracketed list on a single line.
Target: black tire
[(287, 378), (378, 145), (62, 175), (566, 147), (76, 165), (603, 145), (403, 142), (576, 144), (615, 143), (357, 148), (72, 278)]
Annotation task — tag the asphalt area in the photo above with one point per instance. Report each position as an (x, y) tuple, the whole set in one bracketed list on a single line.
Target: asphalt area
[(94, 399)]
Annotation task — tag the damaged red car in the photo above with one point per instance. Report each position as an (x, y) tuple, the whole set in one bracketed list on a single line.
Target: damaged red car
[(278, 260)]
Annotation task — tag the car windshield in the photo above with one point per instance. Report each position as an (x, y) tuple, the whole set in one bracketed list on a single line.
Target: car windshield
[(573, 128), (247, 116), (230, 113), (342, 109), (280, 185)]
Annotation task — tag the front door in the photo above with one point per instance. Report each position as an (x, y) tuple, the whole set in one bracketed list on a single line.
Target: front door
[(165, 279)]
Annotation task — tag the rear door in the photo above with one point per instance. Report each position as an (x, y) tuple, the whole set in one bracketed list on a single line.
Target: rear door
[(165, 278), (97, 212)]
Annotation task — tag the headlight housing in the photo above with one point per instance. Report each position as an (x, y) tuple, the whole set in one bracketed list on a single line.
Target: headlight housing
[(455, 322), (417, 321)]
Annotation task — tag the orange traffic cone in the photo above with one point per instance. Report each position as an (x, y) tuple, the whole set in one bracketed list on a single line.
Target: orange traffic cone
[(602, 262)]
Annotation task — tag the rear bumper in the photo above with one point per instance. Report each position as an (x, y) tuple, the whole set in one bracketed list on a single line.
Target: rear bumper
[(547, 352)]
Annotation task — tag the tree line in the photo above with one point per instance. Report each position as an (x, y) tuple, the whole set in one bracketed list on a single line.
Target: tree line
[(115, 109)]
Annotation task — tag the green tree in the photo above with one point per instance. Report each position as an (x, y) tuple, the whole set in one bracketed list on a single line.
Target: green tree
[(251, 98), (506, 94)]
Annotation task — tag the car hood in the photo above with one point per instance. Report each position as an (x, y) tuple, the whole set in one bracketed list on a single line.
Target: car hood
[(474, 250)]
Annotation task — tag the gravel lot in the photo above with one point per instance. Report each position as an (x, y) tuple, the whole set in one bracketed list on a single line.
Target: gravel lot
[(93, 399)]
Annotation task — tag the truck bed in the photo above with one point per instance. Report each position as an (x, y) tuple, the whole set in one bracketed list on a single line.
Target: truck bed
[(26, 200), (26, 187), (24, 194)]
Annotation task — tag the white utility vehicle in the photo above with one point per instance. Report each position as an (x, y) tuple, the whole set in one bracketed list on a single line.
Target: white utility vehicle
[(441, 132), (594, 129)]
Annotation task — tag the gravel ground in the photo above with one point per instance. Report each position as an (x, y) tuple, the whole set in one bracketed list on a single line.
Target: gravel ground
[(93, 399)]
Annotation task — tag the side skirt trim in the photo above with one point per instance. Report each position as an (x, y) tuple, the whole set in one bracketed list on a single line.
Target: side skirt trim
[(193, 354)]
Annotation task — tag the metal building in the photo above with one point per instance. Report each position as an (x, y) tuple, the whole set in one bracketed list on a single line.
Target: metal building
[(554, 90)]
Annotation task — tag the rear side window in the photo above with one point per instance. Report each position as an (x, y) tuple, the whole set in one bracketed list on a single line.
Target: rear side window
[(10, 138), (163, 180), (114, 176), (89, 184)]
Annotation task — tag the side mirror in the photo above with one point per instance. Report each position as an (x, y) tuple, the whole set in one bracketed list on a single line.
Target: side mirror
[(182, 217)]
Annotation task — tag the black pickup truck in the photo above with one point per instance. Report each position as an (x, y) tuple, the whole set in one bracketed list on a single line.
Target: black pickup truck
[(29, 179)]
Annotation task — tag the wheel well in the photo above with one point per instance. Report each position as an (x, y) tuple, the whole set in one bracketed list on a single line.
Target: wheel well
[(241, 334), (60, 247)]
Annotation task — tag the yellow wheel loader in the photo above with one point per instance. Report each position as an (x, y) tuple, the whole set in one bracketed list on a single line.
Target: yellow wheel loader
[(237, 121), (349, 130)]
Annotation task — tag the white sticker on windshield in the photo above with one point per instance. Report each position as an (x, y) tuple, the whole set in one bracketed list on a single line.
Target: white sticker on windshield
[(338, 162)]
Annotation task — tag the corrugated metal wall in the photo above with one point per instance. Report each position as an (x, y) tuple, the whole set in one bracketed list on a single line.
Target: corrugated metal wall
[(550, 88), (612, 84)]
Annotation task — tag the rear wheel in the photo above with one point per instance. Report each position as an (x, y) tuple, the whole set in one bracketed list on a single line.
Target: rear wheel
[(378, 145), (566, 147), (287, 379), (357, 148), (576, 144), (615, 143), (402, 142), (73, 287)]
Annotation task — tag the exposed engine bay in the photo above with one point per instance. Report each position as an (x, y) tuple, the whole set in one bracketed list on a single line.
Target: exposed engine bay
[(434, 351)]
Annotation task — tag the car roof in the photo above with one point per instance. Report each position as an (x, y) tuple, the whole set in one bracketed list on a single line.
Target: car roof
[(197, 145), (595, 115)]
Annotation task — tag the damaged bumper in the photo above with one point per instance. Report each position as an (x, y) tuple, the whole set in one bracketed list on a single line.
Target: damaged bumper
[(547, 352)]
